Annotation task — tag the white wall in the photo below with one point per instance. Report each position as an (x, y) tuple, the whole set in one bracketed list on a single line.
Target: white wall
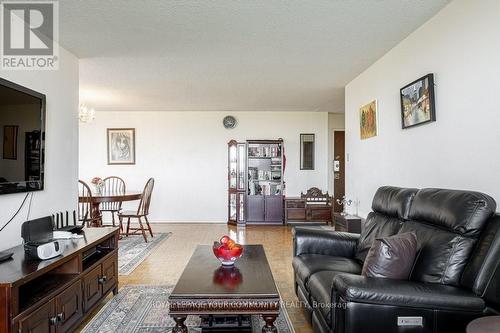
[(186, 153), (461, 149), (61, 146)]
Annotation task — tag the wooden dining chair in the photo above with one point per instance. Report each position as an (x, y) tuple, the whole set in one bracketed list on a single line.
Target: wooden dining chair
[(142, 212), (85, 207), (114, 185)]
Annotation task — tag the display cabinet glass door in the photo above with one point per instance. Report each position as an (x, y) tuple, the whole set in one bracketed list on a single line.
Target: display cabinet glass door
[(241, 207), (241, 166), (236, 182), (233, 163), (232, 207)]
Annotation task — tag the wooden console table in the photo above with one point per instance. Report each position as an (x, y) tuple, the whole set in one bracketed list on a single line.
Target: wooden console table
[(56, 295), (313, 206)]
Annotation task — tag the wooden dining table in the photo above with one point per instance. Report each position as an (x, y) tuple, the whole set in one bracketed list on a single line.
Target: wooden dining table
[(98, 198)]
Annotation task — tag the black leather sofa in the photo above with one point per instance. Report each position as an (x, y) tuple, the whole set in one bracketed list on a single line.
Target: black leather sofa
[(455, 278)]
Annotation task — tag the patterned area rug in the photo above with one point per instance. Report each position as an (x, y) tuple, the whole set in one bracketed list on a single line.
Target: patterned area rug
[(133, 250), (144, 309)]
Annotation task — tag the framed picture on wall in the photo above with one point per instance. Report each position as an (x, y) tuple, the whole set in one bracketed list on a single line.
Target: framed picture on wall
[(121, 145), (368, 118), (10, 142), (417, 102)]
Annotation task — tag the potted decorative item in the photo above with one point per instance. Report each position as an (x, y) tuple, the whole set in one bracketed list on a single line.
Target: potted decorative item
[(98, 183), (227, 251)]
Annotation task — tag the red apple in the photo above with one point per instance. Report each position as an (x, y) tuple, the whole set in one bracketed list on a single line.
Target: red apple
[(225, 239)]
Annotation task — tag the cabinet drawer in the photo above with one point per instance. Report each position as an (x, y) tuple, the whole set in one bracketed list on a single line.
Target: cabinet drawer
[(109, 273), (92, 290), (295, 204), (296, 214)]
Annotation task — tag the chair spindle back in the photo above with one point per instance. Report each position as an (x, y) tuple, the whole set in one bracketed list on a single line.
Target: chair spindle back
[(113, 185), (85, 202), (143, 208)]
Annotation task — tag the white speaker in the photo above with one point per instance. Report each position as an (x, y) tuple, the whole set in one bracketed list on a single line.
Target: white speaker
[(45, 251)]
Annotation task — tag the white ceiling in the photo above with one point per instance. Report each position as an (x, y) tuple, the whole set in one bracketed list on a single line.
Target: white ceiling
[(262, 55)]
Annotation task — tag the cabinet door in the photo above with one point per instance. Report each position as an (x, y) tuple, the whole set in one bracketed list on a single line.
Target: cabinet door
[(109, 274), (42, 320), (69, 305), (92, 290), (255, 208), (321, 214), (274, 208)]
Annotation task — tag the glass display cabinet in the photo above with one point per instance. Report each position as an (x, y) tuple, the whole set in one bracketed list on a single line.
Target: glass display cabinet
[(236, 182), (264, 201)]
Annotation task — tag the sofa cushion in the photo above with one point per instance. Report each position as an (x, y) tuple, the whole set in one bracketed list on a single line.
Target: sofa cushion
[(375, 226), (320, 284), (462, 212), (307, 264), (357, 288), (442, 255), (479, 275), (391, 257), (393, 201)]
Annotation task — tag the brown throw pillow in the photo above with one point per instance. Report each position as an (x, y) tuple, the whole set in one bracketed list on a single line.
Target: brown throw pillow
[(391, 257)]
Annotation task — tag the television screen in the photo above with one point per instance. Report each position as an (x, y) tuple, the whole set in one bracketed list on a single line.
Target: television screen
[(22, 117)]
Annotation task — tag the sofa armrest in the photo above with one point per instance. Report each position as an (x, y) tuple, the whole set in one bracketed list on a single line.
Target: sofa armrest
[(360, 289), (326, 242)]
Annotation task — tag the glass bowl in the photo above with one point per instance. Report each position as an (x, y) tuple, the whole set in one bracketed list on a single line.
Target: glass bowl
[(227, 256)]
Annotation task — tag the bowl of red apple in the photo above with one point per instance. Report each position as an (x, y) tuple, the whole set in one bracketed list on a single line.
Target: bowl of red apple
[(227, 250)]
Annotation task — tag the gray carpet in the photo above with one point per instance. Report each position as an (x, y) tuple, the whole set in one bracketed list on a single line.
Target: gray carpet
[(144, 309), (133, 250)]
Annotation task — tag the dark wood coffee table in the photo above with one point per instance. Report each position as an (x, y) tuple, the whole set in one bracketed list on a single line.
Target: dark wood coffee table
[(206, 288)]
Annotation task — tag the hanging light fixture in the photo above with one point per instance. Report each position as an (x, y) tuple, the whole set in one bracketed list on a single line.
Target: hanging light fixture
[(86, 113)]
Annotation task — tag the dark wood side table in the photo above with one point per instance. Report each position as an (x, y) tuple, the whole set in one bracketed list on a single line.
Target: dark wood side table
[(346, 223), (488, 324)]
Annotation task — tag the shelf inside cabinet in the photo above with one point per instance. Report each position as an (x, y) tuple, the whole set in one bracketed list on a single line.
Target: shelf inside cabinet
[(93, 255), (37, 289)]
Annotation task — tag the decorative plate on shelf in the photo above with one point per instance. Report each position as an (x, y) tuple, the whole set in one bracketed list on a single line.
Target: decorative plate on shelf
[(229, 122)]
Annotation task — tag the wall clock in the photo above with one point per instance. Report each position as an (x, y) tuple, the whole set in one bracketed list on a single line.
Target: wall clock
[(229, 122)]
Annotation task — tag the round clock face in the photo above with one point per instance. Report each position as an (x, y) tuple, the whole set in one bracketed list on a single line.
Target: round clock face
[(229, 122)]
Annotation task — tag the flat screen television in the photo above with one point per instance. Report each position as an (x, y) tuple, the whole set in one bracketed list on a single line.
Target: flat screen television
[(22, 127)]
